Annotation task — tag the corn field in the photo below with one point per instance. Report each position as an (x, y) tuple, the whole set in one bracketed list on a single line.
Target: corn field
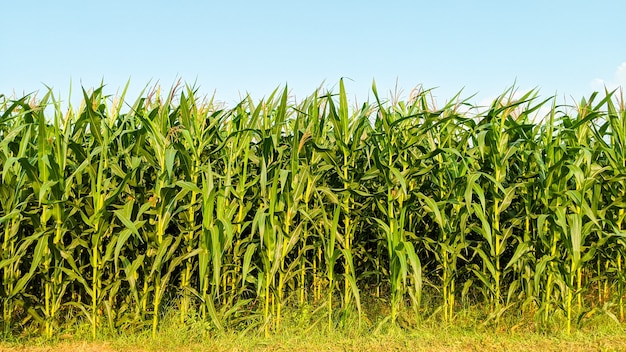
[(114, 213)]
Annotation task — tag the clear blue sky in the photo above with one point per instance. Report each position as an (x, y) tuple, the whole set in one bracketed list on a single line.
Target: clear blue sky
[(232, 47)]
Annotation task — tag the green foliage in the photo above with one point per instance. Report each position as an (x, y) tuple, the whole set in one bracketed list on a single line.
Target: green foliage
[(234, 215)]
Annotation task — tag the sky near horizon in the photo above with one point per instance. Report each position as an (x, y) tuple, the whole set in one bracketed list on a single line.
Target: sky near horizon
[(230, 48)]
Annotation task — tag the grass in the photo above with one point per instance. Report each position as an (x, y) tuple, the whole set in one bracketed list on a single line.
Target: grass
[(469, 331), (464, 334)]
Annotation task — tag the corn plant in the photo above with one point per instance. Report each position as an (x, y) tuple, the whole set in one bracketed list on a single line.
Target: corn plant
[(113, 211)]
